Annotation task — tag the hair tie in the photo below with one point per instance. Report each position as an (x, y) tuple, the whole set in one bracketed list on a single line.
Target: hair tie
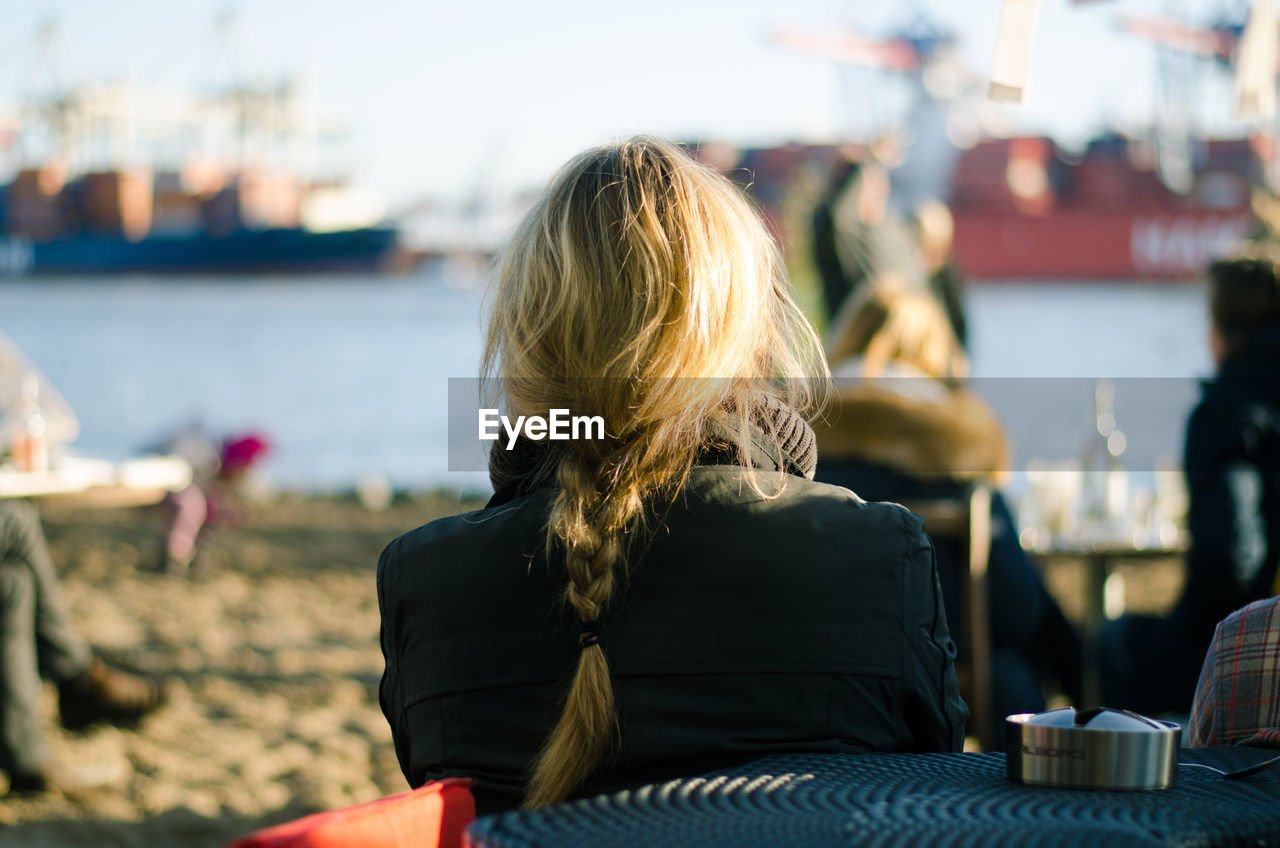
[(589, 634)]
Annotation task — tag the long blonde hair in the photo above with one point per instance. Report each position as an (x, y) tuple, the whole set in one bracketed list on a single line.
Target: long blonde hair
[(889, 323), (642, 288)]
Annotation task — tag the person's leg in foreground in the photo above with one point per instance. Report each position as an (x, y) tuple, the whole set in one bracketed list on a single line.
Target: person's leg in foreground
[(38, 640)]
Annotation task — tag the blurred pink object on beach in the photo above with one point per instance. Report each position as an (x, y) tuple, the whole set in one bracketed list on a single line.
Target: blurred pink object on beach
[(240, 452)]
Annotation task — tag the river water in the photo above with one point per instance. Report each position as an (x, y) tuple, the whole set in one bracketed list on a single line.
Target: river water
[(347, 376)]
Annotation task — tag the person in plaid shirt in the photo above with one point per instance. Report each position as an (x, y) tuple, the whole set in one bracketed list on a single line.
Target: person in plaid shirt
[(1238, 698)]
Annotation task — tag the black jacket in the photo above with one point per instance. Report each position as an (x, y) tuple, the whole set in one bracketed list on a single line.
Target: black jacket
[(811, 621), (1232, 463)]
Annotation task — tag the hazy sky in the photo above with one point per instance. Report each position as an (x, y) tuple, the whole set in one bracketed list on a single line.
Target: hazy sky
[(444, 98)]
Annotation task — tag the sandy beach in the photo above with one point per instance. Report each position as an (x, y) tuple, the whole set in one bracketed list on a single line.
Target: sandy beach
[(272, 650), (273, 655)]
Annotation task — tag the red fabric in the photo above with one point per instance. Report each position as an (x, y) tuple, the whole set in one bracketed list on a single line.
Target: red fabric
[(431, 816)]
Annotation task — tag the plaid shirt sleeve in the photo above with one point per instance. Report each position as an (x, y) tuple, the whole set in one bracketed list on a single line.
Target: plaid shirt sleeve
[(1238, 696), (1200, 729)]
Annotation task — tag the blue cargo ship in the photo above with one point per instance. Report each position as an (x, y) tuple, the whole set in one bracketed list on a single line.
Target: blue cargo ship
[(121, 222), (291, 250), (208, 189)]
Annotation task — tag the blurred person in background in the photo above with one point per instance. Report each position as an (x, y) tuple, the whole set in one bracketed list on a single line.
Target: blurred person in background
[(38, 641), (216, 495), (677, 595), (857, 237), (1232, 467), (904, 428)]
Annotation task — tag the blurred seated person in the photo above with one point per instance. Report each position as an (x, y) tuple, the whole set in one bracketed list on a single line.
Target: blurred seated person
[(214, 497), (1232, 467), (1238, 699), (904, 428), (674, 594), (38, 640)]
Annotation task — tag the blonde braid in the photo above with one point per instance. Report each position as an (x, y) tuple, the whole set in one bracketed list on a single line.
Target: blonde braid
[(589, 523)]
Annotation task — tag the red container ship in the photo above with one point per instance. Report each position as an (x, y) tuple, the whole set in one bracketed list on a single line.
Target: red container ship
[(1024, 208), (1023, 211)]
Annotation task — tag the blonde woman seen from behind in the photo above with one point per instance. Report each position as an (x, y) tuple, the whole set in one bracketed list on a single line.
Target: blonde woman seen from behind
[(676, 595)]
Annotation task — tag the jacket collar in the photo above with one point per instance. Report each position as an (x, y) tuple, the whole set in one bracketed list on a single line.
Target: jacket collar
[(912, 423)]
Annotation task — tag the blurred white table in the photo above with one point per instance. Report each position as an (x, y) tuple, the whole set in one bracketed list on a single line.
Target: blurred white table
[(80, 481)]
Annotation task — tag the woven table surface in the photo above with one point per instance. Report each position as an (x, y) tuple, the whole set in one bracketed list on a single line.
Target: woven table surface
[(903, 800)]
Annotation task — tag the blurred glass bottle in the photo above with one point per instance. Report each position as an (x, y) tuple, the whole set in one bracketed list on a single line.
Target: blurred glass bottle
[(29, 443), (1106, 486)]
